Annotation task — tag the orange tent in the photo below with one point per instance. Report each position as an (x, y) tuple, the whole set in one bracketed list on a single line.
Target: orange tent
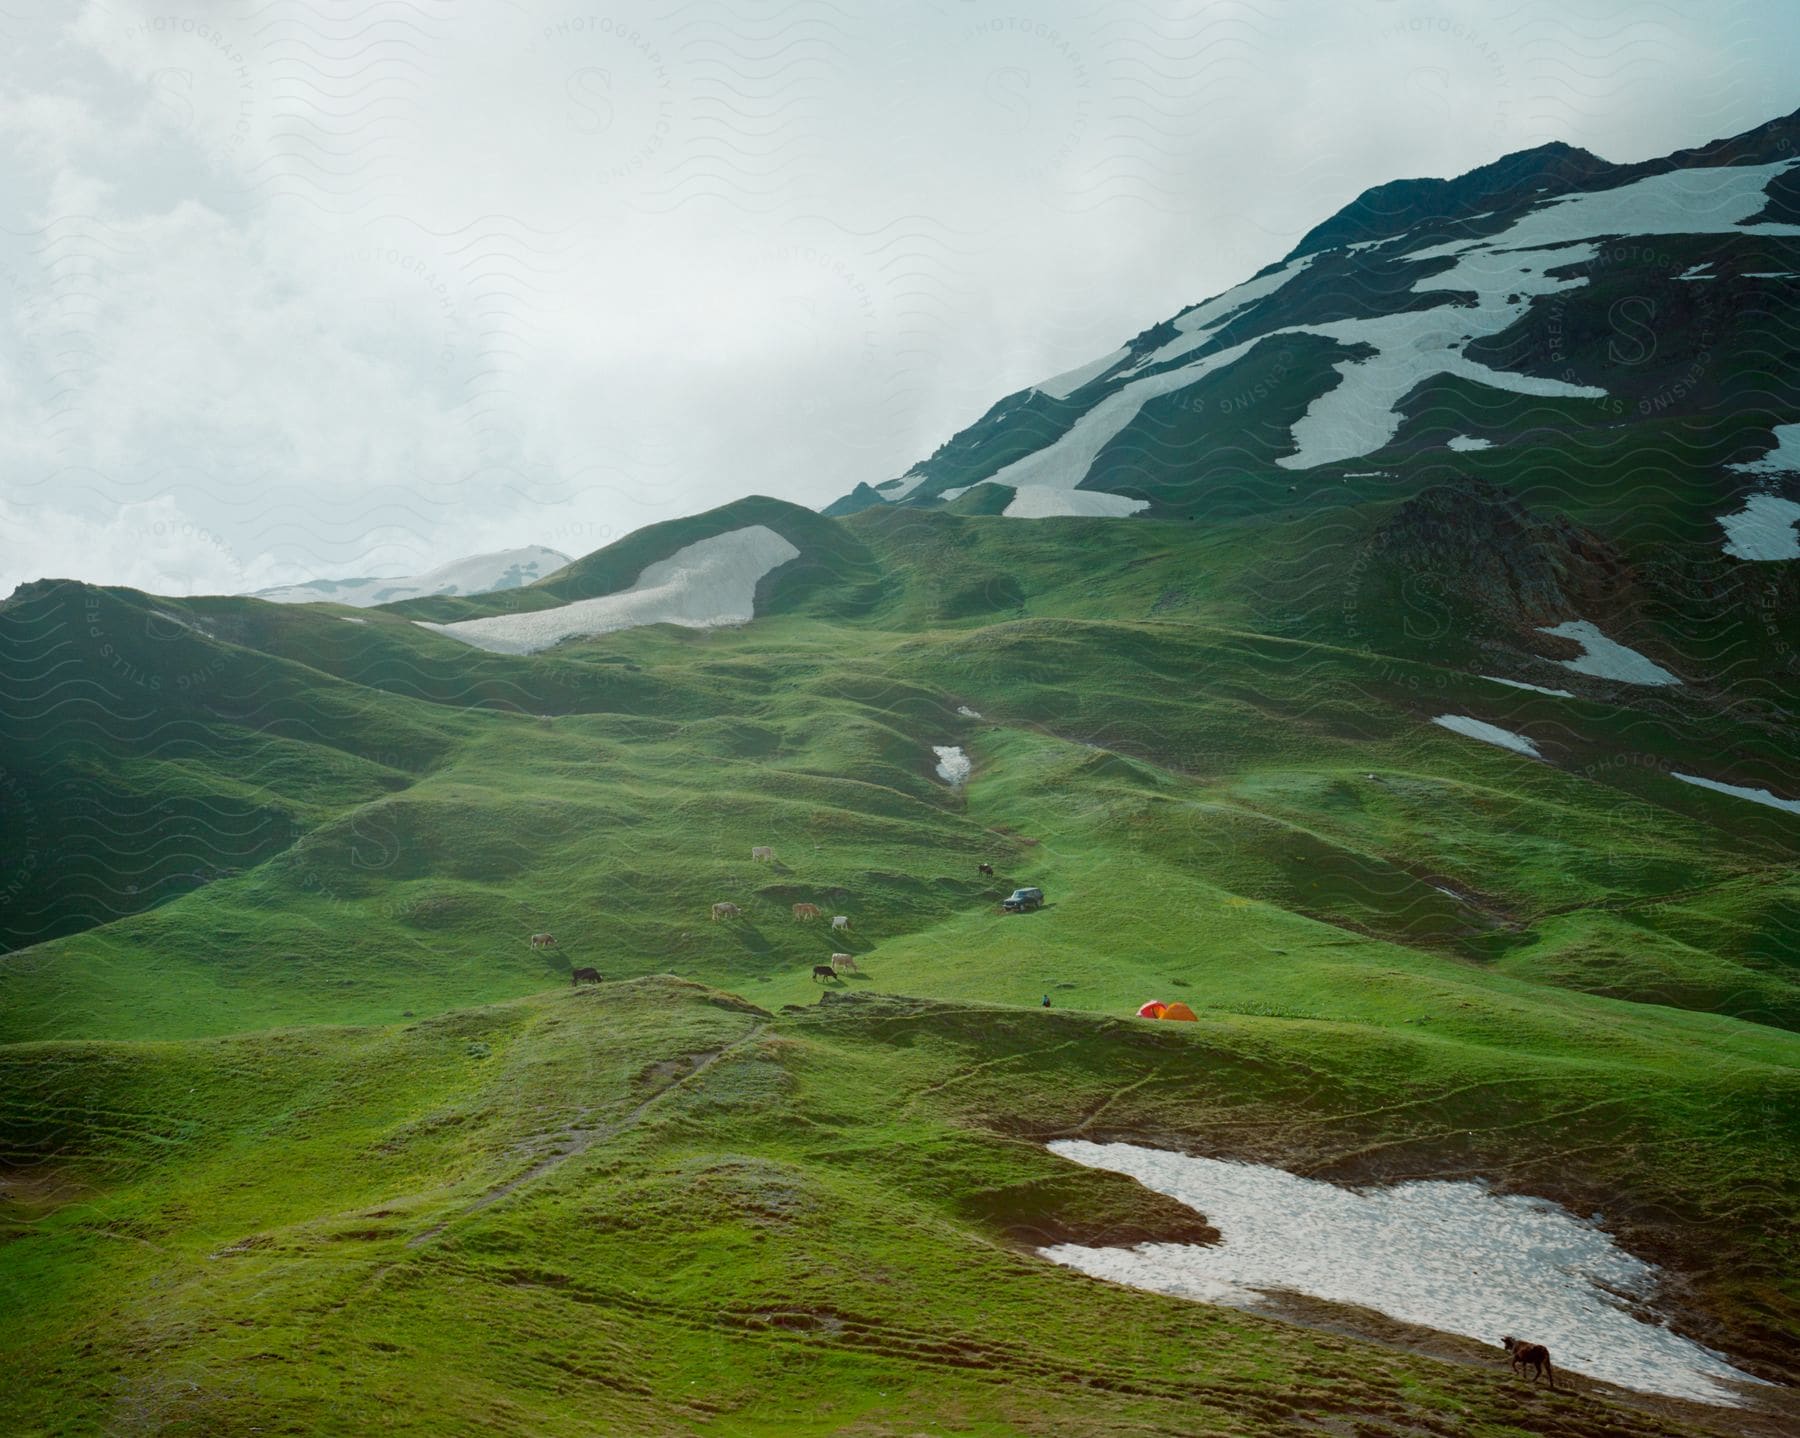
[(1152, 1010), (1180, 1011)]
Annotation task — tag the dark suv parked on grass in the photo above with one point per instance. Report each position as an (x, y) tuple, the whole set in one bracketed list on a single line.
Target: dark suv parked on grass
[(1021, 900)]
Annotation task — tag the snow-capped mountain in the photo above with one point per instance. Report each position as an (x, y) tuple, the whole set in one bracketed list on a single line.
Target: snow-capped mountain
[(477, 574), (1548, 314)]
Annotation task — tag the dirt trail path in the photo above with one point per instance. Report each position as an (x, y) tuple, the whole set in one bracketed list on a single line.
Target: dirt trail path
[(572, 1142)]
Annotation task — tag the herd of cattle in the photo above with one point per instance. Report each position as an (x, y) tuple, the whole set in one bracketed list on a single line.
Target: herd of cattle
[(803, 913)]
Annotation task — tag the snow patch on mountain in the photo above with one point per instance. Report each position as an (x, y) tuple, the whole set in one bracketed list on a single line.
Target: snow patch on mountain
[(477, 574), (1763, 529), (1197, 326), (1467, 443), (1755, 796), (1063, 385), (1046, 502), (1505, 272), (1709, 200), (1049, 475), (1605, 658), (1488, 733), (894, 490), (1784, 458), (1521, 684), (703, 585)]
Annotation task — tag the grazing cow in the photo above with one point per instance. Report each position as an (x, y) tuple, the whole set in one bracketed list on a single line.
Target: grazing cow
[(1534, 1356), (725, 911), (844, 961), (806, 911), (823, 973), (763, 853), (840, 923), (543, 941), (584, 976), (987, 869)]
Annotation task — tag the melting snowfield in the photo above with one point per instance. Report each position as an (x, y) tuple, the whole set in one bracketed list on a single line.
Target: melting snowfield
[(703, 585), (1450, 1256), (1488, 733), (1763, 529), (953, 766), (1606, 659)]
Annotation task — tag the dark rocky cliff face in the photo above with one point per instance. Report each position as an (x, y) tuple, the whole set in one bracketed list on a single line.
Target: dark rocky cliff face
[(1478, 541)]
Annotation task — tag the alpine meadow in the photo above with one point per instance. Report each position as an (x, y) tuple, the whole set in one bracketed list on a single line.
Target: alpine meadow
[(559, 997)]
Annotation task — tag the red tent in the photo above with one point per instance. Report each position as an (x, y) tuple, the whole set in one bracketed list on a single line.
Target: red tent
[(1152, 1010)]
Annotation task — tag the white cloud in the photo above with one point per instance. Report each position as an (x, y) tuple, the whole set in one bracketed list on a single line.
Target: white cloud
[(372, 289)]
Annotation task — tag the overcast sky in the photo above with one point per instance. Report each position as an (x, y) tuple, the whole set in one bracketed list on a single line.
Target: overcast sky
[(299, 288)]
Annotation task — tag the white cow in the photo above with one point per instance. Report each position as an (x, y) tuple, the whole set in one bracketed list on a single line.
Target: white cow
[(840, 923), (763, 854), (725, 911), (844, 961)]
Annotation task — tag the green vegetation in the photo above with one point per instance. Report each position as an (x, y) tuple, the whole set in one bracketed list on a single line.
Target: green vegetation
[(324, 1145)]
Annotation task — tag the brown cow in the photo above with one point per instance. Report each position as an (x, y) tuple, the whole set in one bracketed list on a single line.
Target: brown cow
[(987, 869), (725, 911), (763, 854), (806, 911), (584, 976), (543, 941), (823, 973), (1534, 1356)]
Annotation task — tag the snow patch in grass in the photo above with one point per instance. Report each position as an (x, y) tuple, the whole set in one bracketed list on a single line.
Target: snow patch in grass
[(1463, 443), (1452, 1256), (703, 585), (1606, 659), (953, 766), (1763, 529), (966, 712), (1521, 684), (1696, 272), (352, 619), (1755, 796), (1488, 734)]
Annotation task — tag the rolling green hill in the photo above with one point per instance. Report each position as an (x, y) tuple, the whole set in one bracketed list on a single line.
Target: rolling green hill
[(1452, 787)]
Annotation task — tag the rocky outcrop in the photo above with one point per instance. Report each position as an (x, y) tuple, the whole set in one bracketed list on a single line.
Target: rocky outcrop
[(1478, 540)]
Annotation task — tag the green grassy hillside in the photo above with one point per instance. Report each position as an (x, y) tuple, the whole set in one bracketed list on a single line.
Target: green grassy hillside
[(323, 1144)]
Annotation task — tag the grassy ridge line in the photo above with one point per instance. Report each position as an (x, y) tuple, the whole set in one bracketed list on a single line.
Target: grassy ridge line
[(800, 1233)]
